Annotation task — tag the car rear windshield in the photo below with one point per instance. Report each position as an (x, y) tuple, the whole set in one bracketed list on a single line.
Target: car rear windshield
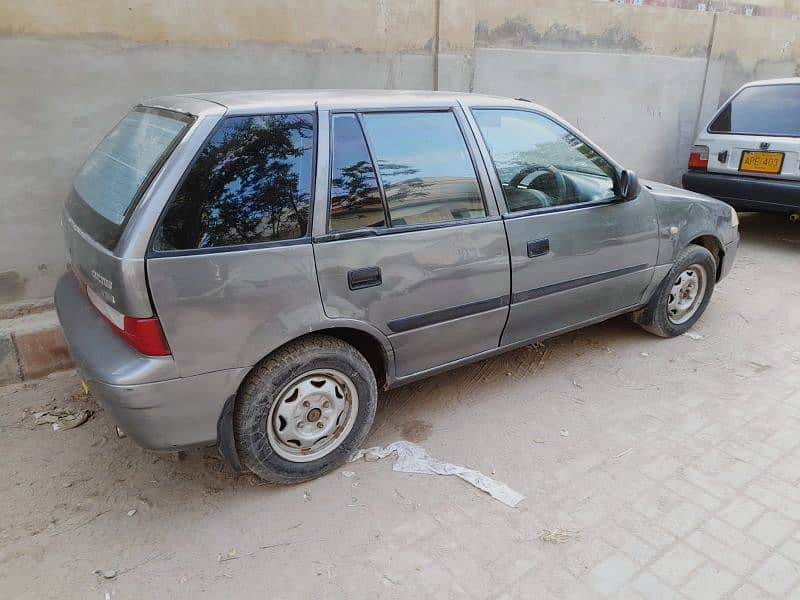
[(761, 110), (110, 182)]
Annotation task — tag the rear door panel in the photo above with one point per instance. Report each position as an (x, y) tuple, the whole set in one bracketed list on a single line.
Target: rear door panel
[(444, 288), (444, 294)]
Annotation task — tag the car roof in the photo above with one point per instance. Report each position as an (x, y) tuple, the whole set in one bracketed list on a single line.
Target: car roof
[(251, 101), (782, 81)]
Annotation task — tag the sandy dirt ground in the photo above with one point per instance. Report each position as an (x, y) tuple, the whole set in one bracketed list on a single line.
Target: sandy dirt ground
[(670, 465)]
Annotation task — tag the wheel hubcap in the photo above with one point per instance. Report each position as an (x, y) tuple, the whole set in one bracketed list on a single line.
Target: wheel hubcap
[(686, 294), (312, 415)]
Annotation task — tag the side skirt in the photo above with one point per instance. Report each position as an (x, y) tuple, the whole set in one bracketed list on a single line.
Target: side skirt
[(398, 381)]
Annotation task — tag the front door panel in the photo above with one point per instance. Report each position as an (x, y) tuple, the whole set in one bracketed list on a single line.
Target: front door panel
[(578, 252), (600, 260)]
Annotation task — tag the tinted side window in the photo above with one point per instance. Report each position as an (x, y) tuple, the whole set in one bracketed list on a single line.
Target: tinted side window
[(541, 164), (250, 184), (425, 168), (763, 109), (355, 197)]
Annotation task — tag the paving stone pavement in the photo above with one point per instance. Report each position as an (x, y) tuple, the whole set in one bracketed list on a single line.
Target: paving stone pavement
[(673, 464)]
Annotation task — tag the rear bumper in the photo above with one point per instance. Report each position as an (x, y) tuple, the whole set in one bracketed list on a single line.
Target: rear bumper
[(143, 394), (747, 193), (169, 415)]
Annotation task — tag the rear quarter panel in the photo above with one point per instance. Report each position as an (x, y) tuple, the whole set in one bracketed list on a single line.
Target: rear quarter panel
[(229, 309)]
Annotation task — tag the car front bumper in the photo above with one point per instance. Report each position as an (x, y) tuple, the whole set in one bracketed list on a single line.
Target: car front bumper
[(729, 257), (144, 395), (747, 193)]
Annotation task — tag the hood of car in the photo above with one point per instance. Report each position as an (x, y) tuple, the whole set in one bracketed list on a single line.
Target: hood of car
[(670, 191)]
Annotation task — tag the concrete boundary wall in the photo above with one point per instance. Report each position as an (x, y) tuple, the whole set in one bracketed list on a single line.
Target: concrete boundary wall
[(637, 80)]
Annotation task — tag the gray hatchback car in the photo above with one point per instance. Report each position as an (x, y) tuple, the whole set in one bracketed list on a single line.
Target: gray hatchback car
[(247, 269)]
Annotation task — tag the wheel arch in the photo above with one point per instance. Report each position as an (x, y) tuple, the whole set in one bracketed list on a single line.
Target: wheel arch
[(370, 342), (711, 243)]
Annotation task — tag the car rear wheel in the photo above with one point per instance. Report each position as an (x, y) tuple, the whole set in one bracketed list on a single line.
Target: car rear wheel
[(304, 410), (683, 295)]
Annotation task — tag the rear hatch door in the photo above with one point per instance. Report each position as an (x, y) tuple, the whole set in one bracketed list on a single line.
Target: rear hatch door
[(757, 133), (105, 194)]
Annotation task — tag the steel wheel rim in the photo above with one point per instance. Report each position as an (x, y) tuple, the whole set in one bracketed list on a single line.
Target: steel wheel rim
[(312, 415), (686, 294)]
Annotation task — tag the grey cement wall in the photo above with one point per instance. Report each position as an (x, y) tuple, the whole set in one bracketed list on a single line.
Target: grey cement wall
[(636, 80), (642, 109)]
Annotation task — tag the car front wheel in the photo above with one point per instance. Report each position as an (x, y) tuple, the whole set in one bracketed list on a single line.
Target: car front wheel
[(682, 297)]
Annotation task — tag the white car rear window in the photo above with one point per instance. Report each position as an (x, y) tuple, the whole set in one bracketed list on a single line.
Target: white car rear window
[(761, 110)]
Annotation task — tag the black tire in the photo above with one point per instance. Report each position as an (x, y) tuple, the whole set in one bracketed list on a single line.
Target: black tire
[(262, 387), (654, 317)]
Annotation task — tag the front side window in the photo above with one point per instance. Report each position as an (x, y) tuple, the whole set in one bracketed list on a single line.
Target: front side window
[(355, 197), (425, 167), (761, 110), (540, 163), (250, 184)]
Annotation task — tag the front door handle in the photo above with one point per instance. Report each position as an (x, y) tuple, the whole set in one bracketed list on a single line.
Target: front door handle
[(364, 278), (538, 248)]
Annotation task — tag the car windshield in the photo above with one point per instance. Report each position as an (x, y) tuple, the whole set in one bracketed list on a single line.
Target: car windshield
[(111, 180), (761, 110)]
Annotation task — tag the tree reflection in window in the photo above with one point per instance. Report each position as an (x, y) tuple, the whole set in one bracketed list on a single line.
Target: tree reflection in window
[(425, 167), (250, 184), (355, 197)]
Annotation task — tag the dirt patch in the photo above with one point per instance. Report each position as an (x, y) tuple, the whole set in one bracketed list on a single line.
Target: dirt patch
[(415, 430), (12, 286)]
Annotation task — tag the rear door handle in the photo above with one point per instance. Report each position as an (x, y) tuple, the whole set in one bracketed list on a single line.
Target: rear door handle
[(364, 278), (538, 248)]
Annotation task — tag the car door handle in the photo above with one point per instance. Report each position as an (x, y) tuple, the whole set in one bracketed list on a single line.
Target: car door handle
[(538, 248), (364, 278)]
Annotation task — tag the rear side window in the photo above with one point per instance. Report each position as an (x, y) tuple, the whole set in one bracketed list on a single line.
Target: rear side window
[(250, 184), (355, 196), (425, 168), (109, 183), (761, 110)]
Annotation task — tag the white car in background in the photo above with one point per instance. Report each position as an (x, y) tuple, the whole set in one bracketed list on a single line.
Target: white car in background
[(749, 154)]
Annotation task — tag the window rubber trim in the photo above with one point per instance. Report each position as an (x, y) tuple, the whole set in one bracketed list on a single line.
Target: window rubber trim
[(351, 234)]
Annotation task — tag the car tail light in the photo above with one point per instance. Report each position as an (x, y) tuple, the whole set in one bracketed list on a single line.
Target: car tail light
[(144, 335), (698, 158)]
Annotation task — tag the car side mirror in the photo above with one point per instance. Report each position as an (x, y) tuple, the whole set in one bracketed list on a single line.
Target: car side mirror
[(629, 186)]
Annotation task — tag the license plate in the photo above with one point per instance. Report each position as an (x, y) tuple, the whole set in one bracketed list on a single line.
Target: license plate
[(761, 162)]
